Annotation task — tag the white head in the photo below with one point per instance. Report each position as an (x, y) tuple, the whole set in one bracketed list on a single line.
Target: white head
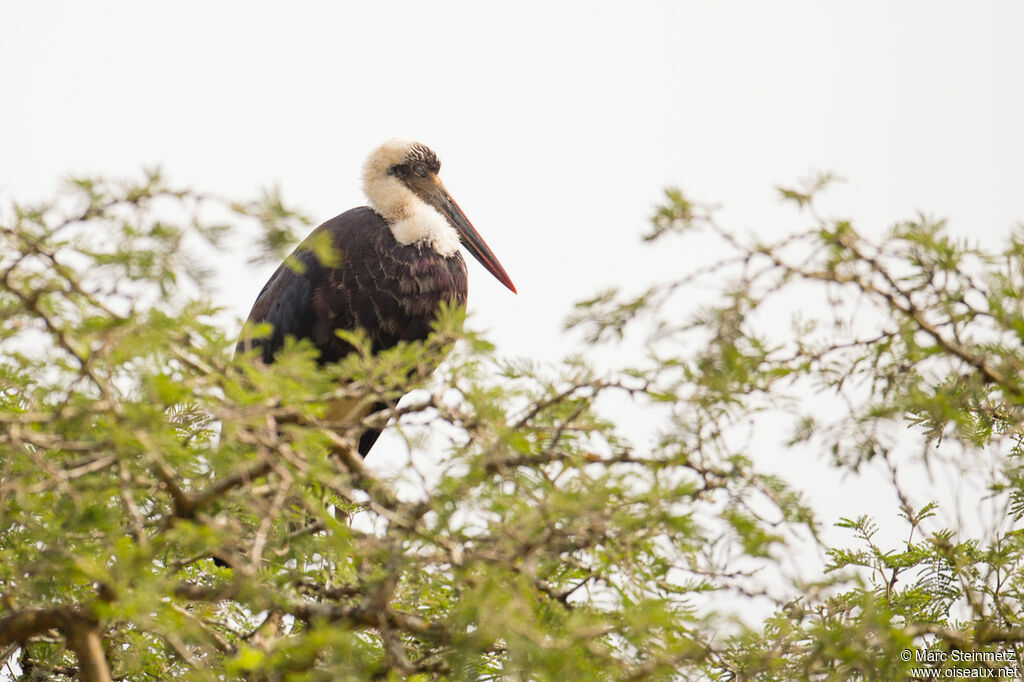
[(400, 180)]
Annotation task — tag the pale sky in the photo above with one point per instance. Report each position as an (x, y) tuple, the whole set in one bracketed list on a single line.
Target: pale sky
[(558, 124)]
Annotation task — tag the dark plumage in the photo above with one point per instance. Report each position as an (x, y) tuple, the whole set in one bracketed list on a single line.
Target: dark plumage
[(389, 290)]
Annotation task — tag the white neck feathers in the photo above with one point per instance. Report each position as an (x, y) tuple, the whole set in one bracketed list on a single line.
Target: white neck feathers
[(412, 221)]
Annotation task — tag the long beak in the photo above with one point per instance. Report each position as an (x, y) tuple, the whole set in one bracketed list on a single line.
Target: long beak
[(471, 239)]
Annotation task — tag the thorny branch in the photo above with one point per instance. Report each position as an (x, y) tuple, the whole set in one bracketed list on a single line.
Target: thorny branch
[(568, 536), (79, 627)]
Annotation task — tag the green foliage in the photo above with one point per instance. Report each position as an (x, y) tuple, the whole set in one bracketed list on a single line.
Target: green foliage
[(526, 536)]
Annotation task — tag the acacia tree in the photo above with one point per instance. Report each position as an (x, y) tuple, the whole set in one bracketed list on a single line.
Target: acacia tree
[(527, 537)]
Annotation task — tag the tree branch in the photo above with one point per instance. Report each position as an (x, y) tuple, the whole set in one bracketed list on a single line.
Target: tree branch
[(78, 626)]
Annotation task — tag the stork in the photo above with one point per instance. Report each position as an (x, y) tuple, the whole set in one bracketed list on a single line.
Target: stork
[(398, 261)]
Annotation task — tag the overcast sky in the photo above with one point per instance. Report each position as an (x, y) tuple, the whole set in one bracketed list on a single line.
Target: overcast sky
[(558, 124)]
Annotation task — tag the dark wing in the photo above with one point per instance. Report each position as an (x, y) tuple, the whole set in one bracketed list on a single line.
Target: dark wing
[(311, 301), (285, 302)]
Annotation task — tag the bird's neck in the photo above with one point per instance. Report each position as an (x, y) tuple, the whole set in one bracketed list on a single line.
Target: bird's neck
[(411, 220)]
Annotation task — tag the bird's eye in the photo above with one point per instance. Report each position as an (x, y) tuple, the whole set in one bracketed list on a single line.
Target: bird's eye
[(420, 170)]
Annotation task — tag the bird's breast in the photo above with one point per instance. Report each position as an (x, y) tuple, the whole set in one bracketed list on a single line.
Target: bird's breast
[(409, 282), (389, 289)]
